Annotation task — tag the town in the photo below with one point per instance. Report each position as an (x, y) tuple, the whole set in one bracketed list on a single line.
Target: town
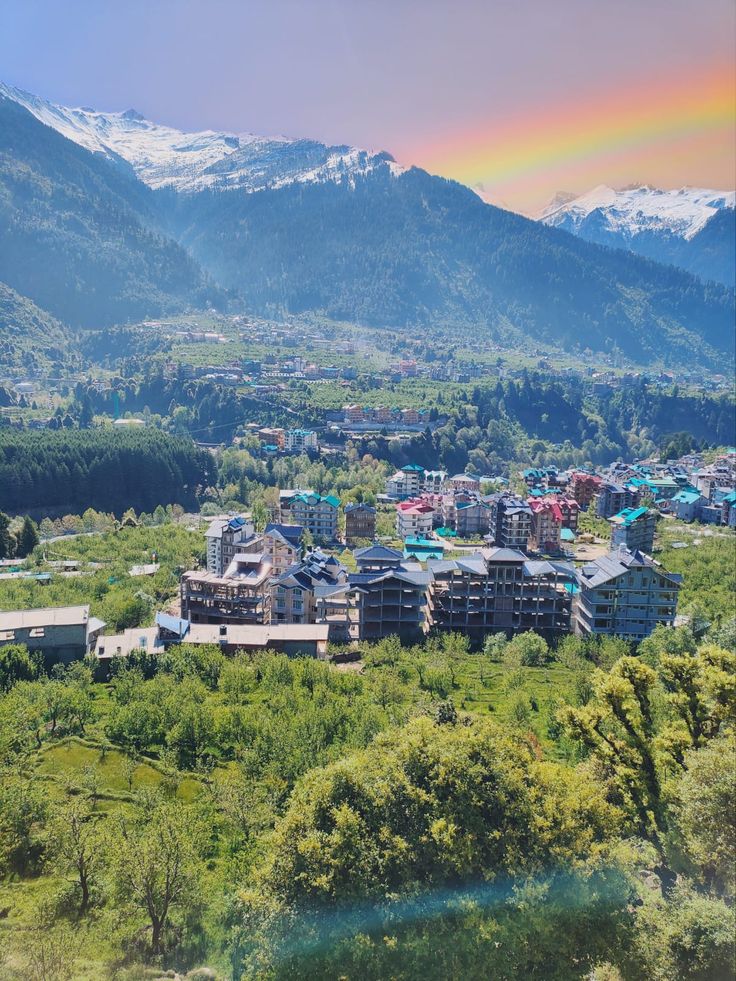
[(316, 578)]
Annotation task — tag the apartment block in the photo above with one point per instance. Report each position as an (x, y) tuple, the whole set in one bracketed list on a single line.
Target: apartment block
[(406, 483), (360, 522), (625, 593), (613, 498), (633, 528), (414, 519), (293, 593), (224, 537), (298, 440), (510, 522), (315, 513), (546, 525)]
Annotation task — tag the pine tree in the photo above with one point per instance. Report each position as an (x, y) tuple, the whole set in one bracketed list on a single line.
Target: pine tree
[(27, 537)]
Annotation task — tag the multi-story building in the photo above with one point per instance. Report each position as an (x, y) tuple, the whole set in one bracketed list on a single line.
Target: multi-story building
[(241, 595), (406, 482), (273, 437), (624, 593), (225, 536), (360, 522), (282, 544), (546, 525), (570, 511), (472, 518), (613, 498), (634, 529), (511, 521), (435, 481), (315, 513), (728, 510), (500, 590), (386, 596), (414, 519), (293, 593), (687, 503), (353, 413), (465, 482), (297, 440), (584, 487)]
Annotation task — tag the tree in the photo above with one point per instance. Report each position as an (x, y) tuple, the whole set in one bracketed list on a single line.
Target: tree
[(706, 814), (76, 845), (17, 664), (7, 541), (156, 864), (527, 649)]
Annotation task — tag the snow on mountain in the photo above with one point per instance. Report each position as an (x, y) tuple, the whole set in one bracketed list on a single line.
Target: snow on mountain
[(637, 210), (165, 157)]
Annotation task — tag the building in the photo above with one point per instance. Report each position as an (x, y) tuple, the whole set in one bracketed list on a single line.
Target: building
[(293, 639), (293, 593), (272, 437), (728, 510), (584, 487), (60, 634), (510, 522), (500, 591), (241, 595), (546, 525), (360, 522), (299, 440), (414, 519), (312, 511), (634, 529), (224, 537), (435, 481), (613, 498), (385, 597), (687, 503), (470, 518), (570, 511), (465, 482), (624, 593), (406, 482), (282, 544)]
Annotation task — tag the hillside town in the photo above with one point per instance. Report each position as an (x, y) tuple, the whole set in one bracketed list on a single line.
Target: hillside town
[(316, 576)]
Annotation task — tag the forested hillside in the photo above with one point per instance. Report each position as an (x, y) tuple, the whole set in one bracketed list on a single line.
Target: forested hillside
[(71, 470), (30, 338), (78, 235), (417, 249)]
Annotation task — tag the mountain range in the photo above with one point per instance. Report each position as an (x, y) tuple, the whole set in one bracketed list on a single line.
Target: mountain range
[(693, 228), (108, 217)]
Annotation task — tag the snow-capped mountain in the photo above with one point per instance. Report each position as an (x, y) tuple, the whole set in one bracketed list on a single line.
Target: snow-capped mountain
[(691, 227), (635, 210), (162, 156)]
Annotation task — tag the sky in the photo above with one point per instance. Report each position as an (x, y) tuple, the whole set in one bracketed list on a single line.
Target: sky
[(518, 98)]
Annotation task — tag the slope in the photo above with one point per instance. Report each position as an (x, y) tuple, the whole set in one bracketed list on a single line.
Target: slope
[(693, 228), (31, 339), (77, 234), (407, 249)]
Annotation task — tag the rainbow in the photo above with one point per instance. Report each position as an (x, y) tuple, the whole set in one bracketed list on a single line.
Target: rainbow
[(640, 123)]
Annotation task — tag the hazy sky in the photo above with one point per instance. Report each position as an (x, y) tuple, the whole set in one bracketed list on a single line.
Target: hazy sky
[(523, 97)]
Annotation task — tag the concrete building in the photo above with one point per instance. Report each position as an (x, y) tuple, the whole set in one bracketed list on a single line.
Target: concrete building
[(60, 634), (613, 498), (406, 482), (293, 593), (510, 523), (687, 503), (224, 537), (728, 510), (472, 518), (465, 482), (298, 440), (626, 594), (414, 519), (546, 525), (312, 511), (584, 487), (634, 529), (360, 522), (435, 481), (293, 639), (385, 597), (241, 595)]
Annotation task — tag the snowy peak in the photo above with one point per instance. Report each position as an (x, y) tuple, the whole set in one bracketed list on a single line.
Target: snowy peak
[(162, 156), (636, 210)]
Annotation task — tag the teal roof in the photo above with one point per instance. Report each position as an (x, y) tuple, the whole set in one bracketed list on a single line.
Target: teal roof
[(687, 496), (412, 468), (630, 515), (567, 535)]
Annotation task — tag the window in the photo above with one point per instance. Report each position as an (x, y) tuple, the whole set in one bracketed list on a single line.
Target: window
[(37, 632)]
